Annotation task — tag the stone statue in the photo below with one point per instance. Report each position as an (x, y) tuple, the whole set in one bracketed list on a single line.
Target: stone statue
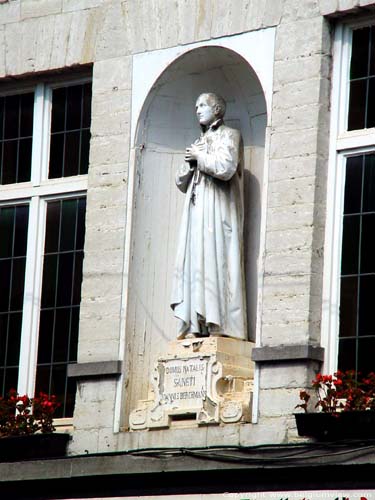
[(208, 296)]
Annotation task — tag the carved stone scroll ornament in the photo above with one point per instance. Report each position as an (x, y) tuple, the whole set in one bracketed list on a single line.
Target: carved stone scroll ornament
[(199, 382)]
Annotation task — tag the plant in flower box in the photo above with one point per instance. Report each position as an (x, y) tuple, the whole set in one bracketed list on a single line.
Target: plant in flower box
[(26, 427), (345, 402)]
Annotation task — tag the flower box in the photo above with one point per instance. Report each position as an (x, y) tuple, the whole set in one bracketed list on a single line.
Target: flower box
[(336, 426), (33, 446)]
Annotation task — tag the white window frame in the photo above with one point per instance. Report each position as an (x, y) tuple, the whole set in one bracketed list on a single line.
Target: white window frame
[(36, 193), (343, 144)]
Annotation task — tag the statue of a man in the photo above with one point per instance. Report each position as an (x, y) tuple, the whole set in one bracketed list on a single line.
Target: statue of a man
[(208, 294)]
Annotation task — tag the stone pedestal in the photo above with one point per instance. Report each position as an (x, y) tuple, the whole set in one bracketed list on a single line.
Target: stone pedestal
[(199, 381)]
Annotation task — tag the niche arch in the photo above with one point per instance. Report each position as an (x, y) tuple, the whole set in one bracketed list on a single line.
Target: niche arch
[(166, 125)]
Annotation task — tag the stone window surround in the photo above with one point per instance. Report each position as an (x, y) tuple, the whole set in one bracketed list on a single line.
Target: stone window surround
[(37, 192), (343, 144)]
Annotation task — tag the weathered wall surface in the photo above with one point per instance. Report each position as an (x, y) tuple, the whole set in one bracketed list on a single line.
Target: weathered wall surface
[(43, 35)]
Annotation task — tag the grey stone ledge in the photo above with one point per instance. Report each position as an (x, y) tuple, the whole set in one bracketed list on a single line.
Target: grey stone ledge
[(269, 354), (95, 369)]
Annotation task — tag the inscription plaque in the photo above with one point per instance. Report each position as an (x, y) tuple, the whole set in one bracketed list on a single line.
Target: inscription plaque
[(184, 382)]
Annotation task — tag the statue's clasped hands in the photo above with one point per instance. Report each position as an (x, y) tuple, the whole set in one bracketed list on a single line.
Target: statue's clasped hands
[(191, 153)]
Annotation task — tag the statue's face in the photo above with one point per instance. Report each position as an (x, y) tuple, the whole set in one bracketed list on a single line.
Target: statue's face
[(205, 110)]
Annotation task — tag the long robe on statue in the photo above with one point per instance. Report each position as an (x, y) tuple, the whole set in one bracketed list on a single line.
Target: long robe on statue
[(209, 285)]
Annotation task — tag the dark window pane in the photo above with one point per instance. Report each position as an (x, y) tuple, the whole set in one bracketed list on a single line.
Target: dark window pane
[(372, 49), (58, 110), (81, 223), (20, 236), (62, 334), (42, 383), (68, 225), (65, 278), (12, 104), (58, 385), (85, 148), (359, 60), (70, 397), (366, 323), (18, 280), (87, 96), (5, 273), (353, 184), (369, 184), (350, 245), (59, 325), (347, 354), (49, 280), (74, 103), (45, 336), (73, 345), (368, 244), (52, 227), (77, 279), (2, 114), (10, 379), (4, 318), (366, 355), (357, 104), (72, 147), (348, 307), (6, 231), (24, 160), (56, 160), (371, 104), (70, 150), (14, 339), (27, 114), (10, 162)]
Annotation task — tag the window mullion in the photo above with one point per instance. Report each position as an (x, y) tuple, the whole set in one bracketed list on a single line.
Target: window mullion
[(41, 131), (32, 296)]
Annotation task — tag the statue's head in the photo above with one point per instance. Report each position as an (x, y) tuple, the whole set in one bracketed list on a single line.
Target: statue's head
[(209, 108)]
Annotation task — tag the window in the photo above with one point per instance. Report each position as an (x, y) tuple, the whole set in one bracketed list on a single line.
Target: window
[(349, 284), (44, 150)]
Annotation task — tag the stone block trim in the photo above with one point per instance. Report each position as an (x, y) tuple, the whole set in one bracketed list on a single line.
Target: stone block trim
[(96, 369), (268, 354)]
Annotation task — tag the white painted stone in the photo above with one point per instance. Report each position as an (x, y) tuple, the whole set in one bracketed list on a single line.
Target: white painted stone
[(302, 68), (10, 12), (328, 6), (82, 37), (60, 40), (112, 75), (113, 35), (73, 5), (293, 143), (345, 5), (294, 168), (39, 8), (268, 430), (290, 331), (297, 9), (290, 217), (278, 402), (301, 38), (273, 12), (292, 375), (100, 350), (84, 441), (105, 150), (284, 193)]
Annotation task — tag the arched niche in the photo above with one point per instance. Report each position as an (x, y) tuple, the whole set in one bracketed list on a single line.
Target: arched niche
[(168, 124)]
